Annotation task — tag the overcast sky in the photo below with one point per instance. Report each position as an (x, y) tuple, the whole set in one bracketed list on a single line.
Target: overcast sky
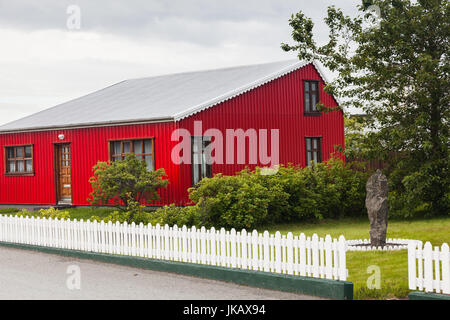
[(44, 63)]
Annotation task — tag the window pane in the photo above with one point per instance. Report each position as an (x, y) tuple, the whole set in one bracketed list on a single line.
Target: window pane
[(308, 158), (11, 166), (10, 153), (29, 166), (204, 166), (20, 166), (307, 103), (126, 147), (137, 147), (196, 144), (315, 144), (196, 158), (196, 173), (19, 152), (148, 146), (313, 102), (315, 157), (28, 152), (308, 144), (314, 86), (306, 86), (116, 147), (207, 153), (149, 162)]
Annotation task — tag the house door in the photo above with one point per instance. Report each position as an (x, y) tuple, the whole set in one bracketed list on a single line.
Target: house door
[(63, 174)]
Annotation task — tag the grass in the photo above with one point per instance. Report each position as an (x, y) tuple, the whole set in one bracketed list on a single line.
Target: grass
[(78, 213), (8, 210), (86, 213), (393, 264)]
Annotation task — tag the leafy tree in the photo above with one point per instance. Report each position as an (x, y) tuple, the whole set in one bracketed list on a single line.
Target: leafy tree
[(125, 184), (396, 68), (355, 138)]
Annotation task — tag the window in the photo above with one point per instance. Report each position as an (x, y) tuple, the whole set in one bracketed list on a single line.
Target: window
[(200, 160), (313, 150), (142, 148), (19, 160), (311, 96)]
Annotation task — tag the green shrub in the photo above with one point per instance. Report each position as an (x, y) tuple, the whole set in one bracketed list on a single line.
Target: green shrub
[(250, 199), (53, 213), (326, 190), (50, 213), (134, 212), (9, 210), (232, 201), (171, 215), (122, 181)]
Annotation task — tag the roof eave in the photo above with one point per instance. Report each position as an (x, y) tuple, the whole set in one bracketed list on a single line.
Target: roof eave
[(88, 125)]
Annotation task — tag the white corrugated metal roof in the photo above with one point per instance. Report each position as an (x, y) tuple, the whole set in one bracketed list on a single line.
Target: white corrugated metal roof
[(161, 98)]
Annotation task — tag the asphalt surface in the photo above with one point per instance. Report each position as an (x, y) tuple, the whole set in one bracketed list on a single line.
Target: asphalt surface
[(34, 275)]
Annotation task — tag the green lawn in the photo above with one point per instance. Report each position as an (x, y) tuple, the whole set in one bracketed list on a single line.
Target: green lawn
[(393, 264), (75, 213)]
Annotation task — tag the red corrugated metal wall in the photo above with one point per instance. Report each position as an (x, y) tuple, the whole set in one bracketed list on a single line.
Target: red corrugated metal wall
[(88, 146), (276, 105)]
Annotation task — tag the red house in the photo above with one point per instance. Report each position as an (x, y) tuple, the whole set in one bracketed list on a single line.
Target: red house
[(48, 157)]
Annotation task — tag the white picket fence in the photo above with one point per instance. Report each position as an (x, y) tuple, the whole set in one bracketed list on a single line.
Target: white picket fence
[(293, 255), (429, 269)]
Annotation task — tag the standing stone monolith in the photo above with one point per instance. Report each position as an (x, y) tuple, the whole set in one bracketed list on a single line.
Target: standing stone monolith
[(377, 207)]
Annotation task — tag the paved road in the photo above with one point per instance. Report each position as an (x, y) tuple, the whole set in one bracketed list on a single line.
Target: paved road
[(34, 275)]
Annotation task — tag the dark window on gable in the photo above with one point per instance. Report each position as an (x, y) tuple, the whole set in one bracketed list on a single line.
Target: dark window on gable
[(19, 160), (311, 89), (200, 160), (313, 150), (142, 148)]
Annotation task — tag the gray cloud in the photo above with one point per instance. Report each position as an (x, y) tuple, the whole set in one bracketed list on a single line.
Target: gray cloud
[(198, 21), (43, 63)]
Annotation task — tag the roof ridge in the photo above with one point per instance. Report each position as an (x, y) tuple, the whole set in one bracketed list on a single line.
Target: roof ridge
[(215, 69)]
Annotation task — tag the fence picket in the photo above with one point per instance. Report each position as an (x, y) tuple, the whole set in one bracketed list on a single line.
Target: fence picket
[(278, 252), (428, 267), (233, 248), (342, 246), (266, 241), (412, 278), (328, 258), (445, 256)]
